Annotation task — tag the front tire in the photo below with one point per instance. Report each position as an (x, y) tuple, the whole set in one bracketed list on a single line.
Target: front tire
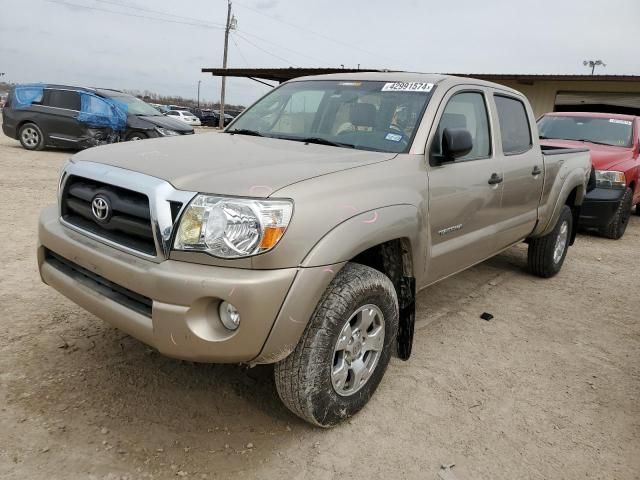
[(345, 349), (135, 136), (546, 254), (31, 137), (618, 225)]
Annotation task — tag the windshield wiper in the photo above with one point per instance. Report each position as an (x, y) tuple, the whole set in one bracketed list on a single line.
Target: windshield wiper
[(246, 131), (319, 141)]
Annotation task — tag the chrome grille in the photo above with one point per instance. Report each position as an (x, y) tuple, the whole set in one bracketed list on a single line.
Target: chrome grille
[(129, 220)]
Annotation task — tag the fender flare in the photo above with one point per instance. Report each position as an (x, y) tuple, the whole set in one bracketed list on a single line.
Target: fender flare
[(323, 262), (575, 180), (365, 230)]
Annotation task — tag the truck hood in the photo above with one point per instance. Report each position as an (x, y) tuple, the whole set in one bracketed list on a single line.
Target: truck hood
[(227, 164), (603, 157)]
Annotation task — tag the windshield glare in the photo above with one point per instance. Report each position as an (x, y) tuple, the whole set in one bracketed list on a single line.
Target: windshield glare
[(135, 106), (609, 131), (380, 116)]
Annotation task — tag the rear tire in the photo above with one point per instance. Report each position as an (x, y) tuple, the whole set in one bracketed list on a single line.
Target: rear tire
[(345, 349), (31, 137), (546, 254), (615, 230)]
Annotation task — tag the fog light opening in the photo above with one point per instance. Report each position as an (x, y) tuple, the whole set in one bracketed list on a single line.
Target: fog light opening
[(229, 316)]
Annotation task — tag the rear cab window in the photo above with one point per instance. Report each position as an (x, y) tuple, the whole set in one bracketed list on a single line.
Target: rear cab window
[(515, 130)]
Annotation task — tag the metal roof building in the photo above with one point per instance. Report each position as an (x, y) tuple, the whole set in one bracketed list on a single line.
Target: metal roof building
[(547, 93)]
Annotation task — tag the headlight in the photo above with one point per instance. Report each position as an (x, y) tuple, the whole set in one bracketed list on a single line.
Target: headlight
[(232, 227), (610, 179), (165, 132)]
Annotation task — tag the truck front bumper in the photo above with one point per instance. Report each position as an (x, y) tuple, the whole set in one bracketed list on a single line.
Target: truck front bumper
[(600, 206), (173, 305)]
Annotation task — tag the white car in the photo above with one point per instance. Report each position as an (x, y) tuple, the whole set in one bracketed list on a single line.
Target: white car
[(186, 116)]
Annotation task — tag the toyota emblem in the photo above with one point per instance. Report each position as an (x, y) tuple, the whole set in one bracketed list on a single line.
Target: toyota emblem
[(101, 208)]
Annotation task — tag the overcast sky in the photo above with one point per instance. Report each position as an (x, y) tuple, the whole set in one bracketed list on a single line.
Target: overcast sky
[(161, 45)]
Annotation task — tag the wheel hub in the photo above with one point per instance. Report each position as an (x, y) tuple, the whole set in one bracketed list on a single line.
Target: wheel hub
[(358, 349), (561, 242)]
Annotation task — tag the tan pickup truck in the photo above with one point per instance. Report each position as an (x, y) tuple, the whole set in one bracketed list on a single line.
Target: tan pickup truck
[(301, 234)]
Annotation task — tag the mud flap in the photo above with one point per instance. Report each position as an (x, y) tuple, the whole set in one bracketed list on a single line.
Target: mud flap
[(406, 324)]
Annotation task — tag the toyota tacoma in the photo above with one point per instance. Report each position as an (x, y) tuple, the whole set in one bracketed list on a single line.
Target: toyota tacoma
[(301, 235)]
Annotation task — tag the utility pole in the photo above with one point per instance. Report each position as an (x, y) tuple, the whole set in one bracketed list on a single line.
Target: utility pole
[(231, 25), (199, 82)]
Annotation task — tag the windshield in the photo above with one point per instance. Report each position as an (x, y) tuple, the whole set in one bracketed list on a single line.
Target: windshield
[(607, 131), (380, 116), (134, 105)]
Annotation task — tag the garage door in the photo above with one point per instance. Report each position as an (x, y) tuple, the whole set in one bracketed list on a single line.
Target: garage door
[(606, 102)]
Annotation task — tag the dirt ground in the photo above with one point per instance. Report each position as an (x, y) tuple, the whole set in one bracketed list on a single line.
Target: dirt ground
[(548, 389)]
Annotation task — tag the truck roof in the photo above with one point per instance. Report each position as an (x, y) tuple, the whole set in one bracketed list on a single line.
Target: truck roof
[(434, 78)]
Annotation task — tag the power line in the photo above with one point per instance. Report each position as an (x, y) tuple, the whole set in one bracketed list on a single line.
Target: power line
[(187, 21), (284, 48), (126, 14), (149, 10), (265, 51), (306, 30), (239, 51), (221, 25)]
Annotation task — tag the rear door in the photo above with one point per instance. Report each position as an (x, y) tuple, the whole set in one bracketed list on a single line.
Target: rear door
[(61, 122), (522, 166), (464, 195)]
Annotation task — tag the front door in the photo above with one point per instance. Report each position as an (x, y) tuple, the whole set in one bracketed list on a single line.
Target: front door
[(464, 195)]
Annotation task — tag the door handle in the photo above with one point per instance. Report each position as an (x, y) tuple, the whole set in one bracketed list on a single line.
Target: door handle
[(536, 171), (495, 179)]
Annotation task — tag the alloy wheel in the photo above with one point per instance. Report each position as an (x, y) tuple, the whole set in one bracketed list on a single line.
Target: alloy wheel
[(357, 350)]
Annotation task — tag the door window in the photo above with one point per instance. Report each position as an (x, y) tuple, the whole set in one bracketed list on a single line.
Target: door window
[(514, 125), (64, 99), (466, 110)]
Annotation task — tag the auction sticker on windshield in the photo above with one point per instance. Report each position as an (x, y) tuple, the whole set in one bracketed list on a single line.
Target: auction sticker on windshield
[(407, 87), (622, 122)]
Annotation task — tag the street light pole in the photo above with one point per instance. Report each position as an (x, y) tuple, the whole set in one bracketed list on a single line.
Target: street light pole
[(199, 82), (593, 64)]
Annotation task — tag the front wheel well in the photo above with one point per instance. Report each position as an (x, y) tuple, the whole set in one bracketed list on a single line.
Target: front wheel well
[(23, 123), (393, 258)]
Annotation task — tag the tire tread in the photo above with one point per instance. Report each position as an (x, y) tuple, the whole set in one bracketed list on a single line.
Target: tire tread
[(292, 375), (540, 254)]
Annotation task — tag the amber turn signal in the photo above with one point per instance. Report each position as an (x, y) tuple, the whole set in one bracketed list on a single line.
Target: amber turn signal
[(271, 236)]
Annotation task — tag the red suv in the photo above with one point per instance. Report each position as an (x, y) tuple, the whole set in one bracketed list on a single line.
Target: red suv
[(614, 143)]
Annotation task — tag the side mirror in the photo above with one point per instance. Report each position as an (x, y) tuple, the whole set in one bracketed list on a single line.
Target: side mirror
[(456, 142)]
